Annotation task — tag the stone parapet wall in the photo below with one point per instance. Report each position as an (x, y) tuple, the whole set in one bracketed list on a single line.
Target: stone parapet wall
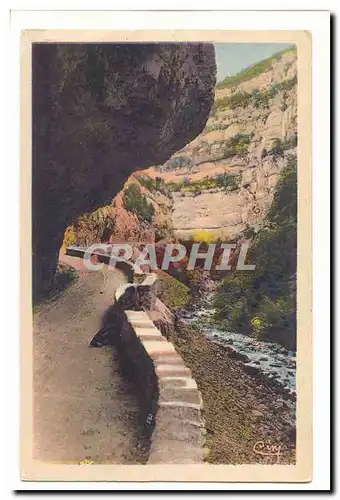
[(172, 401)]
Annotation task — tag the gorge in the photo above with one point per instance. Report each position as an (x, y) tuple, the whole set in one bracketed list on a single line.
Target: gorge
[(151, 151), (221, 187)]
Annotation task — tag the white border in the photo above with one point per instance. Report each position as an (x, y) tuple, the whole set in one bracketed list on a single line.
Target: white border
[(315, 22)]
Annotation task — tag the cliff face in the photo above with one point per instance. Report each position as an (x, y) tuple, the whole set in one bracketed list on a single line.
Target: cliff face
[(224, 180), (122, 221), (101, 112)]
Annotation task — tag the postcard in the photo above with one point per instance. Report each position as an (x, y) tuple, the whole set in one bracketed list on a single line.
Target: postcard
[(166, 256)]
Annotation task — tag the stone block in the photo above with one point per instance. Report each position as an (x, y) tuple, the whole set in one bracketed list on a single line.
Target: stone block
[(180, 411), (179, 394), (175, 452), (175, 381), (177, 370), (185, 431)]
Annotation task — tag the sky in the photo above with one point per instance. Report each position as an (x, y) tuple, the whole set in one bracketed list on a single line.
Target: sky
[(232, 57)]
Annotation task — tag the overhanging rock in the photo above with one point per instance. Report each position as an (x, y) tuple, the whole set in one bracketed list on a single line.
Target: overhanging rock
[(100, 112)]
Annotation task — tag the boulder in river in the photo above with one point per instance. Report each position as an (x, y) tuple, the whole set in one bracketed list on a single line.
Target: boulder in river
[(233, 354), (251, 369)]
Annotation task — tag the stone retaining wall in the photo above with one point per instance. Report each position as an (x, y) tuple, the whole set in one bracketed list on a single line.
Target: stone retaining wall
[(172, 402)]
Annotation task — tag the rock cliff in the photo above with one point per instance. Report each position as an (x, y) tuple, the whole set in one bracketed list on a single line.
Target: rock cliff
[(140, 213), (100, 112), (224, 180)]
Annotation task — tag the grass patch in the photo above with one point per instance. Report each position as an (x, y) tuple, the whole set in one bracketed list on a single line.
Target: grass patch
[(171, 291), (238, 100), (258, 97), (253, 70), (228, 182)]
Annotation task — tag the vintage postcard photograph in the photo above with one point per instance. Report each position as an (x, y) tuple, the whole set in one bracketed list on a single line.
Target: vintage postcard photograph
[(166, 278)]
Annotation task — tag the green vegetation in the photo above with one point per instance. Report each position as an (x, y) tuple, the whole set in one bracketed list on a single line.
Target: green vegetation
[(263, 301), (238, 100), (172, 292), (228, 182), (89, 227), (236, 145), (261, 98), (136, 202), (216, 126), (258, 97), (152, 185), (175, 163), (253, 70)]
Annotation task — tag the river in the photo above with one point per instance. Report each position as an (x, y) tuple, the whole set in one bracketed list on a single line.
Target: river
[(273, 360)]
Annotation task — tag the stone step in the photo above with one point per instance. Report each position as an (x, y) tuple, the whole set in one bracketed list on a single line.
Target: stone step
[(168, 356), (156, 338), (142, 323), (167, 369), (180, 411), (155, 348), (175, 382), (171, 360), (179, 394), (183, 430), (149, 334), (137, 316)]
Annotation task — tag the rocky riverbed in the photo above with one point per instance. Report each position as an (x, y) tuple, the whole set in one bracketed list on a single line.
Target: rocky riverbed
[(265, 359), (240, 409), (243, 405)]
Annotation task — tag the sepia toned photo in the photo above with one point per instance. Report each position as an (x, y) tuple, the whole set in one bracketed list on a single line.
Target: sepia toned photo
[(168, 209)]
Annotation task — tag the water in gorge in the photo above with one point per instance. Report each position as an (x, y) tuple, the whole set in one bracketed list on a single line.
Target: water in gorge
[(273, 360)]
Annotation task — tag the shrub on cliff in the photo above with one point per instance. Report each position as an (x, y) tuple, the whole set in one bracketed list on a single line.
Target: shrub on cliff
[(175, 163), (204, 236), (263, 301), (227, 182), (234, 146), (91, 227), (134, 201), (240, 99), (70, 237), (147, 182), (153, 185)]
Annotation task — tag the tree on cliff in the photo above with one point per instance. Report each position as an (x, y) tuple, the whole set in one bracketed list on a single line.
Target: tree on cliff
[(263, 301)]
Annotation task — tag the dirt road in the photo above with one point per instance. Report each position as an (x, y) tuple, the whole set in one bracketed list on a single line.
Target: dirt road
[(83, 409)]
